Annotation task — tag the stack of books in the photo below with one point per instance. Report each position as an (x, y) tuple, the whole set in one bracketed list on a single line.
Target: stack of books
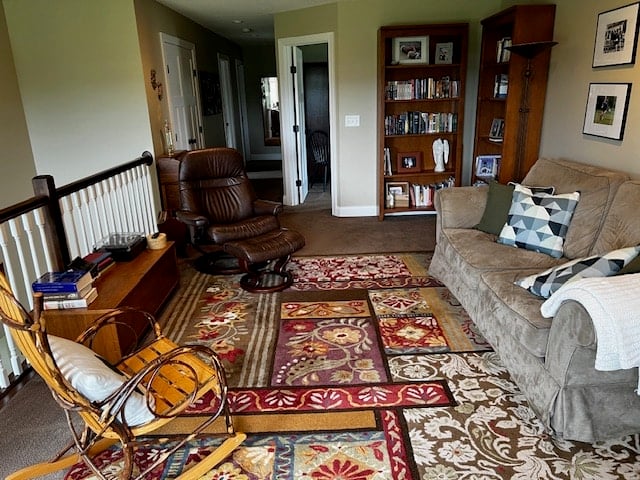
[(69, 289), (102, 259)]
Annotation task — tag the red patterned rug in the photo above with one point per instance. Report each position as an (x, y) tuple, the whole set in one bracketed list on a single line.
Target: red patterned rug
[(367, 368)]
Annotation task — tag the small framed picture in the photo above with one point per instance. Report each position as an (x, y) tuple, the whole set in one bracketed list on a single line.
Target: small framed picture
[(409, 162), (487, 166), (411, 50), (444, 53), (397, 194), (616, 36), (606, 111)]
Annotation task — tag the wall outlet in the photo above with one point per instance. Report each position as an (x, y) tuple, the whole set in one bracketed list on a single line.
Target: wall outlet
[(352, 120)]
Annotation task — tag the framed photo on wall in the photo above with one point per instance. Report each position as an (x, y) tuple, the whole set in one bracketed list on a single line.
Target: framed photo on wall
[(606, 111), (411, 50), (616, 37)]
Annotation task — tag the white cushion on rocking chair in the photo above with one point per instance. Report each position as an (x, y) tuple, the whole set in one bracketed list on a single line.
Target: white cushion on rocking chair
[(92, 377)]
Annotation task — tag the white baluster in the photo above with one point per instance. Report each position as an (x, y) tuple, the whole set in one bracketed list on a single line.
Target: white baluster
[(113, 205), (67, 221), (39, 218), (152, 214)]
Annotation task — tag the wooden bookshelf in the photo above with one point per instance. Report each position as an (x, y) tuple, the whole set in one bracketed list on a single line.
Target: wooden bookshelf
[(529, 29), (414, 111)]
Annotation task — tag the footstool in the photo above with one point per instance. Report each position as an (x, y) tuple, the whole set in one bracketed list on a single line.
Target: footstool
[(263, 259)]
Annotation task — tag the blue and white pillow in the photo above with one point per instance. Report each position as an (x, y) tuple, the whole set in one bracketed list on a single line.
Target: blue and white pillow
[(538, 221), (546, 283)]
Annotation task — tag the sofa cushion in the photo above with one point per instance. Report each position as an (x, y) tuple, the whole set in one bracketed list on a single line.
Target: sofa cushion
[(515, 310), (498, 204), (597, 188), (545, 284), (620, 227), (538, 221)]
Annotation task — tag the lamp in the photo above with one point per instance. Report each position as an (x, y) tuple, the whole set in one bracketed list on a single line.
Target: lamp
[(529, 51)]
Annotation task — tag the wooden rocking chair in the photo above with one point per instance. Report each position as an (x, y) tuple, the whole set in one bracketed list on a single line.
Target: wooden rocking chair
[(152, 387)]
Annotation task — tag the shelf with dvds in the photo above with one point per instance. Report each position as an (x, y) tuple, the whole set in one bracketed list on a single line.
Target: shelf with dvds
[(512, 84), (421, 84)]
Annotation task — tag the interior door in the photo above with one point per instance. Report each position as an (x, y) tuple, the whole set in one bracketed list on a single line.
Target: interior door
[(299, 123), (227, 101), (182, 92)]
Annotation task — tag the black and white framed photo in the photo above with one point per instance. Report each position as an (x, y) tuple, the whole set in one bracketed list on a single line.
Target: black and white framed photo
[(616, 36), (496, 134), (411, 50), (606, 111), (409, 162), (444, 53)]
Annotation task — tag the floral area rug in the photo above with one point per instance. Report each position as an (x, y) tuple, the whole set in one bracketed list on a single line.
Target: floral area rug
[(366, 368)]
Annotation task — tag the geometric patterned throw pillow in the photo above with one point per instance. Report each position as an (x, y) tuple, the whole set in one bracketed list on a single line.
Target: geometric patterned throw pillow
[(538, 221), (546, 283)]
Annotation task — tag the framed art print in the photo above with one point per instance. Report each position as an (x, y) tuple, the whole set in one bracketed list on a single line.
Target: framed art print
[(409, 162), (606, 111), (616, 37), (411, 50)]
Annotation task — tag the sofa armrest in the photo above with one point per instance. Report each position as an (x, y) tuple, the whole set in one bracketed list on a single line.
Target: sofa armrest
[(459, 207)]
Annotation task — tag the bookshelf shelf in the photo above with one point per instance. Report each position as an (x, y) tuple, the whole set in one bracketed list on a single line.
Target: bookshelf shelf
[(527, 27), (440, 89)]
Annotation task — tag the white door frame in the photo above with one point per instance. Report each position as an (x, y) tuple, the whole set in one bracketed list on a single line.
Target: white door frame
[(226, 89), (287, 137), (165, 38), (242, 99)]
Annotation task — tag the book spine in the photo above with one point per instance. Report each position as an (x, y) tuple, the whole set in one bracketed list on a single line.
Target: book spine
[(55, 287), (61, 296), (64, 304)]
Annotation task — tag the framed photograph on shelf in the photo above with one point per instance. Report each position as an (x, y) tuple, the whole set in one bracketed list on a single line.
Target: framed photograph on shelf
[(409, 162), (487, 166), (411, 50), (606, 111), (444, 53), (397, 194), (616, 36)]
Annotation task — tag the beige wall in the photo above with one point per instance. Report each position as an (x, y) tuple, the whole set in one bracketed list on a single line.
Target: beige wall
[(80, 75), (356, 26), (569, 79), (152, 18), (17, 158)]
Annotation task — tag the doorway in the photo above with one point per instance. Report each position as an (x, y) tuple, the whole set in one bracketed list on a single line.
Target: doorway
[(293, 160), (183, 96)]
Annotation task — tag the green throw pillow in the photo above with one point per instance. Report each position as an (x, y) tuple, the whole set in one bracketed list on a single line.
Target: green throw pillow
[(497, 208), (498, 204)]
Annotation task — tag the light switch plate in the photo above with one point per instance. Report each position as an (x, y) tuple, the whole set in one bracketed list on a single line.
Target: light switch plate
[(352, 120)]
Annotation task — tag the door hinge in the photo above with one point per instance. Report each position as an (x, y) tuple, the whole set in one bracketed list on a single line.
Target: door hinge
[(195, 74), (167, 69), (296, 129), (292, 69), (200, 128), (298, 183)]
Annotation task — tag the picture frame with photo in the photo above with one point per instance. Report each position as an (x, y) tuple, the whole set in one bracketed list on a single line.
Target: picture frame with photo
[(411, 50), (616, 37), (606, 111), (444, 53), (408, 162), (397, 194), (487, 166), (496, 134)]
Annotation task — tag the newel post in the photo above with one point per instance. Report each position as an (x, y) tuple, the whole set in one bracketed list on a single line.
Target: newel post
[(44, 185)]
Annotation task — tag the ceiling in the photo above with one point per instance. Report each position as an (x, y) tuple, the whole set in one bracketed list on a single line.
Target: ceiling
[(229, 18)]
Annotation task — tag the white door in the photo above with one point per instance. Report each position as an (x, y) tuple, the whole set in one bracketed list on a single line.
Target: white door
[(182, 92), (299, 126), (227, 101), (242, 99)]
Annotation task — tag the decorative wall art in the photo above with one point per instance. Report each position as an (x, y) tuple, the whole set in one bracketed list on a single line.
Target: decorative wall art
[(411, 50), (606, 112), (616, 37)]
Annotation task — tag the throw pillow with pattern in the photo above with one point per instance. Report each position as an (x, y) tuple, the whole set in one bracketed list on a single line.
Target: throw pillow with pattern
[(546, 283), (538, 221)]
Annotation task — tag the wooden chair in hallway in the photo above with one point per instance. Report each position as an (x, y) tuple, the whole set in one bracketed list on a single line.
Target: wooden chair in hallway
[(123, 403), (319, 146)]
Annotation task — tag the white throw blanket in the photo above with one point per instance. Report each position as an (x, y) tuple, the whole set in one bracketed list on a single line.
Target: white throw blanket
[(614, 306)]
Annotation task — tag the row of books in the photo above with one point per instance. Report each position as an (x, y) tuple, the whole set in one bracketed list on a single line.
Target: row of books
[(414, 194), (501, 86), (502, 53), (73, 287), (422, 88), (420, 122)]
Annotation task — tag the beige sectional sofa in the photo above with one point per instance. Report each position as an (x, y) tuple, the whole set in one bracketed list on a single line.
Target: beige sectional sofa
[(551, 359)]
